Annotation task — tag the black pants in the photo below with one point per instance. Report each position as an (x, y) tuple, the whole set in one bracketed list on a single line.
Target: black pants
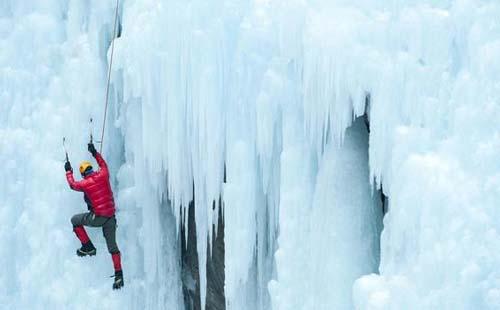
[(108, 225)]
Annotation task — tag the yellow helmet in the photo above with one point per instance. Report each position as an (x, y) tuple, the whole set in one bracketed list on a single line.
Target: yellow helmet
[(84, 165)]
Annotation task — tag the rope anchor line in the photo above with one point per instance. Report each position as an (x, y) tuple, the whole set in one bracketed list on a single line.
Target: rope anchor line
[(107, 91), (109, 76)]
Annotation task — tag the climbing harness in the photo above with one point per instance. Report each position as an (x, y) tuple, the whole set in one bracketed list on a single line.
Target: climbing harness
[(109, 74)]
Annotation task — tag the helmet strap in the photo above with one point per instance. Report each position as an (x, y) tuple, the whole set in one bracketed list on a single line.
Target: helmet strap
[(87, 171)]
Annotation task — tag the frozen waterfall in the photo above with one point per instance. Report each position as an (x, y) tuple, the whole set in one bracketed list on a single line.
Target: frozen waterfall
[(254, 147)]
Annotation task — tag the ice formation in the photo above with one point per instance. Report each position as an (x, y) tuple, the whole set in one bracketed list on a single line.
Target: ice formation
[(296, 114)]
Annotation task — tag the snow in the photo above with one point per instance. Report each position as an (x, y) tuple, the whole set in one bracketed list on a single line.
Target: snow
[(270, 94)]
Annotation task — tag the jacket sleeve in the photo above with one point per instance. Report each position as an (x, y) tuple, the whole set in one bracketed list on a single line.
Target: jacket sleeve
[(74, 185), (102, 164)]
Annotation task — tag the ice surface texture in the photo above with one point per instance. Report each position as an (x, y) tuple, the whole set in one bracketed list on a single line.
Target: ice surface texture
[(266, 90)]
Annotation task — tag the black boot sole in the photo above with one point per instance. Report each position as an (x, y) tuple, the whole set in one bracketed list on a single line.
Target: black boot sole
[(118, 285), (82, 253)]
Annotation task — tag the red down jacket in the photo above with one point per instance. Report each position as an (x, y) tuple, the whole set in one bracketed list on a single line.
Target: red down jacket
[(97, 189)]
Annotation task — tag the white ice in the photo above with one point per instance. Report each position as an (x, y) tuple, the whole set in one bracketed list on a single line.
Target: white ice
[(268, 90)]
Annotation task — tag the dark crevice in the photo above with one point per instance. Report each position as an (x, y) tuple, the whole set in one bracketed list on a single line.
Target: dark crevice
[(215, 267), (190, 267), (119, 30), (384, 200), (366, 118), (215, 299)]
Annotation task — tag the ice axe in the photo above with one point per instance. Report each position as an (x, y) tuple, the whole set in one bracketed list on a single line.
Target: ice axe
[(91, 129), (91, 125), (65, 150)]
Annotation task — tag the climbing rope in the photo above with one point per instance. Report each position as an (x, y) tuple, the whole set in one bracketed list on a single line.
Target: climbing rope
[(109, 75)]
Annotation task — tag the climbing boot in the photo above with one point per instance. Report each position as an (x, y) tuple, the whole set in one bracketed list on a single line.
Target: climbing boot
[(118, 284), (87, 249)]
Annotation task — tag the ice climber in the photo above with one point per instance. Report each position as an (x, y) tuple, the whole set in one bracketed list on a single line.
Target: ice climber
[(98, 195)]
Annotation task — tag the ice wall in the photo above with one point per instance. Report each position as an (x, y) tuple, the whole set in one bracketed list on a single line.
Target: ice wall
[(221, 87), (268, 88), (52, 79), (438, 247), (265, 91)]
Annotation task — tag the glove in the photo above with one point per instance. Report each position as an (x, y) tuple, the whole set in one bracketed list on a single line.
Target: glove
[(67, 167), (92, 149)]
